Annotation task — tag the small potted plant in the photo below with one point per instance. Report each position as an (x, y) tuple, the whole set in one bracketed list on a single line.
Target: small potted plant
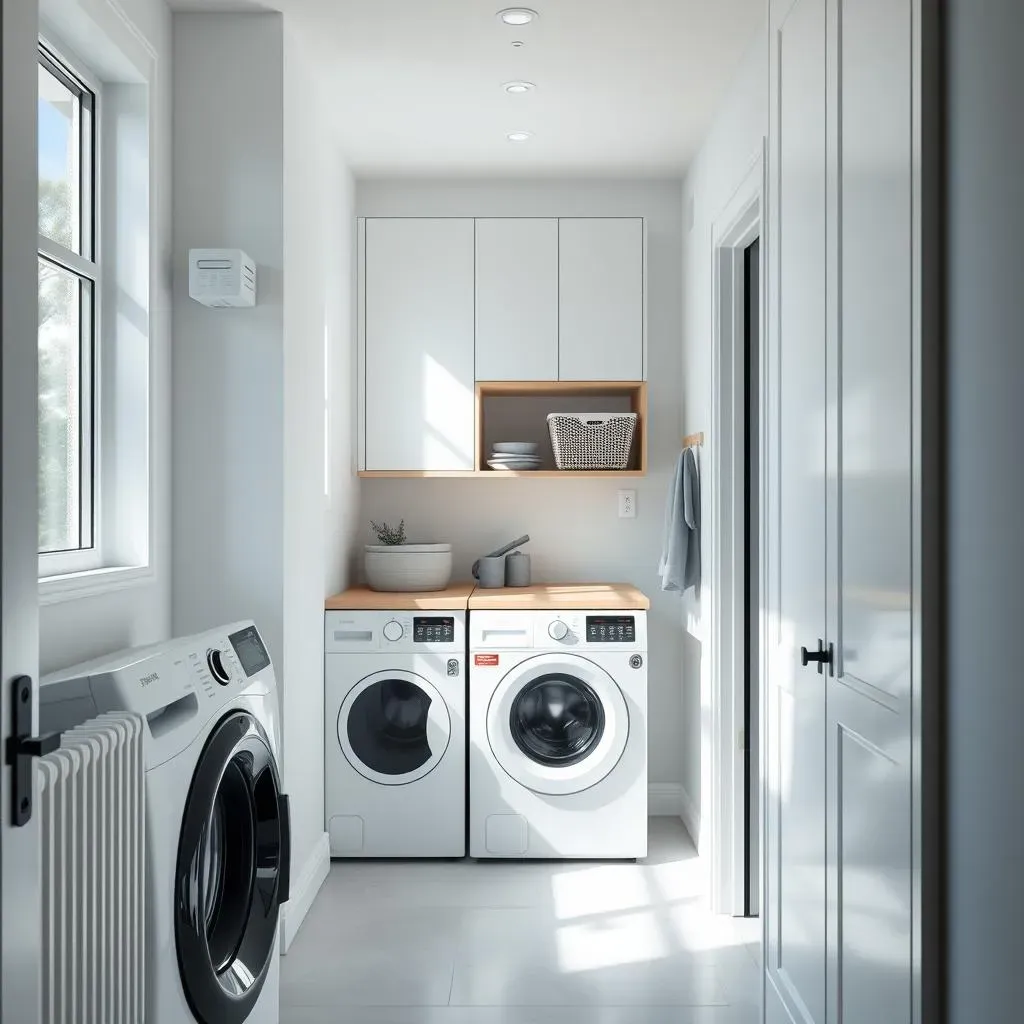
[(393, 565)]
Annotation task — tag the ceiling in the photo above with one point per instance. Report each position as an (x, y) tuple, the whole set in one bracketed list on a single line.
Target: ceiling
[(623, 87)]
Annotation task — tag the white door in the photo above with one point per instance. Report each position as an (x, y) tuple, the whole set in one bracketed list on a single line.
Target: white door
[(517, 299), (795, 934), (601, 298), (871, 585), (420, 404), (20, 966)]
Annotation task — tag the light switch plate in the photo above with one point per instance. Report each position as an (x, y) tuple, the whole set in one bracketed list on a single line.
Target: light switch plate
[(627, 504)]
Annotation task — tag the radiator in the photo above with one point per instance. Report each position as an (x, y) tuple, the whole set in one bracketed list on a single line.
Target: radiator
[(92, 809)]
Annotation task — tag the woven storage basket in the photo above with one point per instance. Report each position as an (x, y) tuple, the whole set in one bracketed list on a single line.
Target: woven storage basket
[(592, 440)]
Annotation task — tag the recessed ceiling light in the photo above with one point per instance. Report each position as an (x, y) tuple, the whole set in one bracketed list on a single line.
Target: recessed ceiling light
[(519, 136), (517, 15), (517, 88)]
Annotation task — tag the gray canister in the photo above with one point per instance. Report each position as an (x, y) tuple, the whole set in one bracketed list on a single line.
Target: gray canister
[(517, 570)]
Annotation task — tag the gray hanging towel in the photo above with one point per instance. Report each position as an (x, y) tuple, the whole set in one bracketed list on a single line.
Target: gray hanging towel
[(679, 567), (691, 513)]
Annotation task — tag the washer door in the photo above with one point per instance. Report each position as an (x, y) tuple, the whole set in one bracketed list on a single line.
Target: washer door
[(232, 872), (394, 727), (557, 724)]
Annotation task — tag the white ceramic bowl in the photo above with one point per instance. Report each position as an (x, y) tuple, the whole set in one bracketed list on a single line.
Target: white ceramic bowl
[(515, 447), (405, 568)]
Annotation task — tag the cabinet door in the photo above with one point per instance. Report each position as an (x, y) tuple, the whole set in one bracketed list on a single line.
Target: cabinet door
[(420, 405), (517, 299), (601, 298), (795, 925)]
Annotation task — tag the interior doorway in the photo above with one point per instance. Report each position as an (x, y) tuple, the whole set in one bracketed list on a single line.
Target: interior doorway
[(732, 788), (751, 577)]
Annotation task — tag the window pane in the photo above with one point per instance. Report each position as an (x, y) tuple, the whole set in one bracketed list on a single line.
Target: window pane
[(59, 161), (62, 298)]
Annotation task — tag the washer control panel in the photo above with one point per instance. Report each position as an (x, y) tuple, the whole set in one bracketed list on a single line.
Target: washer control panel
[(356, 632), (611, 629)]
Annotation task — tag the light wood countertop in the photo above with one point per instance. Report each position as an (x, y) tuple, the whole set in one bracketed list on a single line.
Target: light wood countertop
[(454, 598), (567, 596)]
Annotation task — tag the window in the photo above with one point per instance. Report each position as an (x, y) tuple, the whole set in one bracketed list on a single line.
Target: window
[(69, 286)]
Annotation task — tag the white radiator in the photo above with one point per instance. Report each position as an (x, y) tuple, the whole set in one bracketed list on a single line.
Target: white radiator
[(92, 804)]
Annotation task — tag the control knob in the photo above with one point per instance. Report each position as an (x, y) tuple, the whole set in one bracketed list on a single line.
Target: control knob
[(393, 630), (218, 669), (558, 630)]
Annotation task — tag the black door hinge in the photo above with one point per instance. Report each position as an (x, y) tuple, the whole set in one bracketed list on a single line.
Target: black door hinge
[(22, 748)]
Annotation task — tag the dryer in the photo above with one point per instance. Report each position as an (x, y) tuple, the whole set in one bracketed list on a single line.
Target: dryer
[(395, 731), (558, 734), (218, 838)]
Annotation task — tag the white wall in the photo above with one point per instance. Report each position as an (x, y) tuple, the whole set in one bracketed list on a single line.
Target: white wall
[(985, 368), (732, 147), (263, 404), (319, 485), (73, 630), (576, 532)]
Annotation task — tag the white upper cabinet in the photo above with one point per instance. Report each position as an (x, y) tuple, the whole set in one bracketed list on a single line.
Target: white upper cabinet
[(517, 299), (419, 389), (601, 298)]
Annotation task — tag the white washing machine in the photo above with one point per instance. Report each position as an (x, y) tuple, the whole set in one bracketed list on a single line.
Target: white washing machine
[(558, 734), (218, 838), (395, 743)]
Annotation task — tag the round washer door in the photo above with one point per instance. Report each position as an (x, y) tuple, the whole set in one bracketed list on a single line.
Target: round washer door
[(232, 872), (394, 727), (557, 724)]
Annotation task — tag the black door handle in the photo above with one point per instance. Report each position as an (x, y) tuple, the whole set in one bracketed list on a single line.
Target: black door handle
[(22, 747), (822, 656)]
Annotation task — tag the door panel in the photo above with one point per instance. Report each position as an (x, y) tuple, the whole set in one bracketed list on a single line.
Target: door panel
[(601, 298), (420, 389), (795, 880), (871, 517), (20, 923), (517, 299)]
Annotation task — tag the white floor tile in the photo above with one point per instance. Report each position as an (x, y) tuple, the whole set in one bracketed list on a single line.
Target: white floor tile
[(461, 942)]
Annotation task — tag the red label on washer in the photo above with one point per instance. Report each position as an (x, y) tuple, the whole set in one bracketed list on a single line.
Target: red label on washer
[(485, 659)]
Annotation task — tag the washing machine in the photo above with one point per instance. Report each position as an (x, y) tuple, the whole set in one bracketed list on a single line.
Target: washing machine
[(558, 734), (218, 837), (395, 731)]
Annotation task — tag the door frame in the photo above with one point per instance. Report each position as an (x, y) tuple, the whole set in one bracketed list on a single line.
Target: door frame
[(742, 220)]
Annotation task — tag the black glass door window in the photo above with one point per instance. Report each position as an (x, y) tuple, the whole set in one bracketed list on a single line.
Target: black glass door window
[(232, 872), (557, 720), (387, 727)]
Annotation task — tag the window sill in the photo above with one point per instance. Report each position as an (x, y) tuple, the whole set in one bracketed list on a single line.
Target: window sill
[(70, 587)]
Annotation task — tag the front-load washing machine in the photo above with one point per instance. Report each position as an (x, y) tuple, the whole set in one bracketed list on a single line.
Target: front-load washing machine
[(395, 732), (558, 734), (218, 842)]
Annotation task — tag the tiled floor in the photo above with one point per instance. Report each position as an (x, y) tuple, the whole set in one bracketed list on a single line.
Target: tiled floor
[(394, 942)]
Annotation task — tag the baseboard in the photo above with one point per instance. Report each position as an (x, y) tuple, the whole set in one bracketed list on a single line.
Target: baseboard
[(305, 885), (690, 815), (664, 799)]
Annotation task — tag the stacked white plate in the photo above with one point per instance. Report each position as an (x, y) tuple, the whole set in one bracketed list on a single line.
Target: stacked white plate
[(514, 456)]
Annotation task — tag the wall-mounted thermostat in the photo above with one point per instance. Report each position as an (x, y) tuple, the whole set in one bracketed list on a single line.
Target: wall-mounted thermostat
[(221, 277)]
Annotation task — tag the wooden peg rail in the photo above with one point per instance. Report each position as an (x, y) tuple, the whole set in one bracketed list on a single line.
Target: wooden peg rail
[(694, 440)]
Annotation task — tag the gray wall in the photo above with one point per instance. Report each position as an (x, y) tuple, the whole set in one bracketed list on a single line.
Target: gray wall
[(228, 364), (985, 366), (576, 532)]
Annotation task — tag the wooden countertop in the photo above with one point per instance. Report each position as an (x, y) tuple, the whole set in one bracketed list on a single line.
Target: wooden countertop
[(567, 596), (454, 598)]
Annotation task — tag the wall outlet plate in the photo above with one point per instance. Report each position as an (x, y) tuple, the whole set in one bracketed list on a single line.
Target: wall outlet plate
[(627, 504)]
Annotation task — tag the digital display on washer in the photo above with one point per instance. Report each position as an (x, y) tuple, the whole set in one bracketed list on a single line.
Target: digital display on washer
[(611, 629), (433, 629), (252, 655)]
